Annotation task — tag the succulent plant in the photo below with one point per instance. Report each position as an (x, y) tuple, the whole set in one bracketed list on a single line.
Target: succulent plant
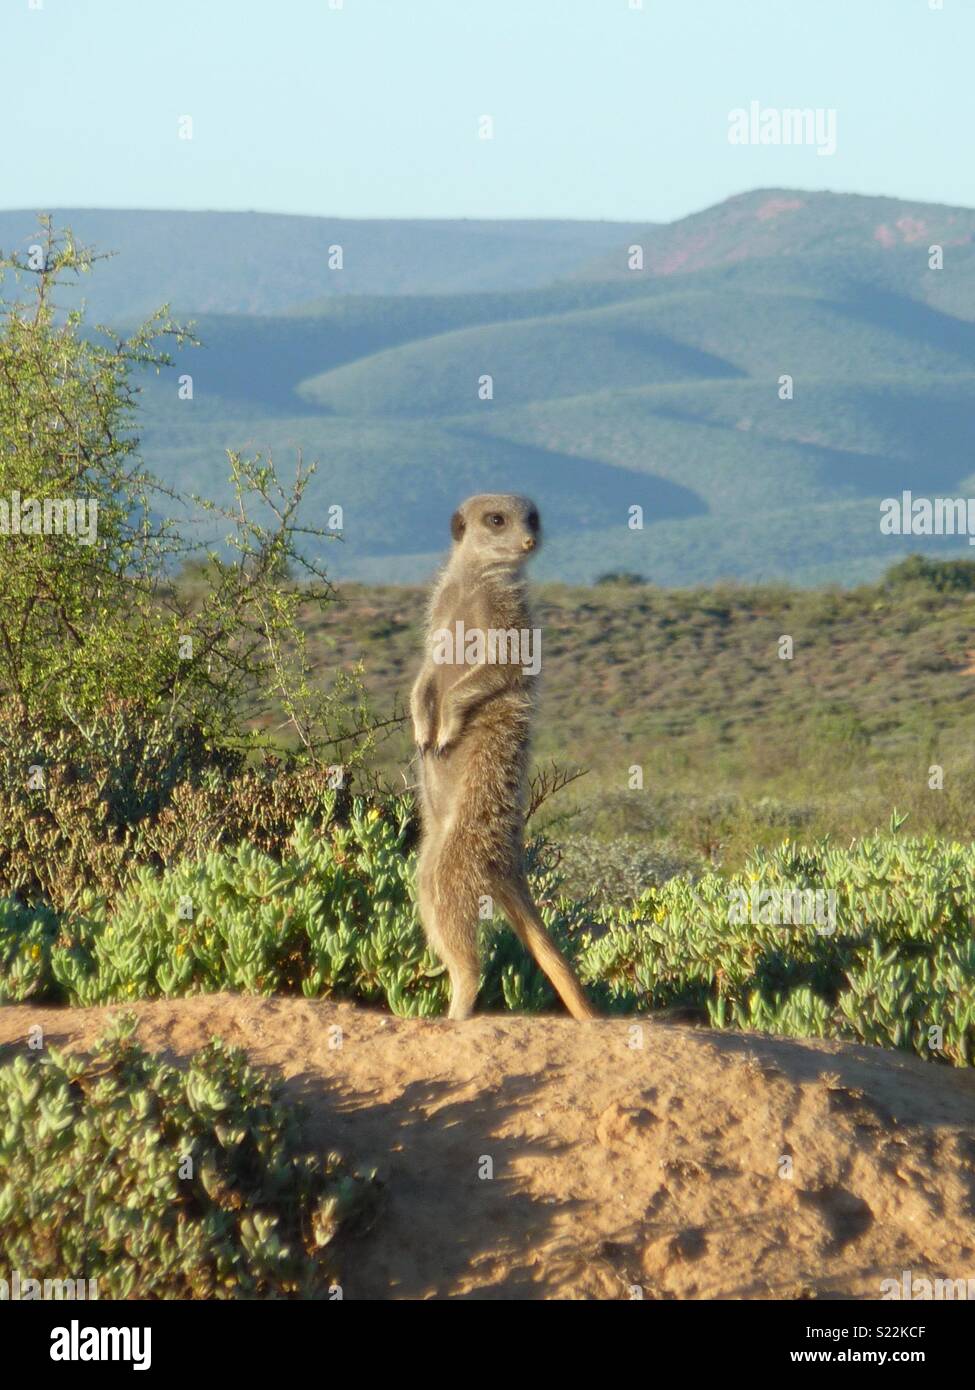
[(166, 1183)]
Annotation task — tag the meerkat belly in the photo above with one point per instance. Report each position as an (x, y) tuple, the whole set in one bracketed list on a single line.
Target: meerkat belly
[(484, 770), (460, 639)]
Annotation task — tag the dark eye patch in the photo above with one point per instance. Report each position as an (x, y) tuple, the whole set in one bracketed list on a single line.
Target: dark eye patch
[(533, 520)]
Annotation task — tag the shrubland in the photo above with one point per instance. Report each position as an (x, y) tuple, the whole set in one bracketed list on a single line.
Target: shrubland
[(197, 794)]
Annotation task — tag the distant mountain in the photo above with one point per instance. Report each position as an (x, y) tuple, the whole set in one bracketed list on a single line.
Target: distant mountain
[(611, 387), (773, 222), (262, 263)]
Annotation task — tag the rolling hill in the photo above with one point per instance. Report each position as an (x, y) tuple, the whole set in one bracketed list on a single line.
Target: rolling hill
[(610, 387)]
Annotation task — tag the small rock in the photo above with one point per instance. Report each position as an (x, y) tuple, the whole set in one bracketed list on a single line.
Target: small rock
[(623, 1124)]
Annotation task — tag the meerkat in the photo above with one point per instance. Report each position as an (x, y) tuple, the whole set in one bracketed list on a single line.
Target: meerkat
[(471, 723)]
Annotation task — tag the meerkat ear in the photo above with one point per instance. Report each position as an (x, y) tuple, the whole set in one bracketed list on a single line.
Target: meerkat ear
[(457, 525)]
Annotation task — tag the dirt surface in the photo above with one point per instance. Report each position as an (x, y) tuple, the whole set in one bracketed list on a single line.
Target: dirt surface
[(624, 1156)]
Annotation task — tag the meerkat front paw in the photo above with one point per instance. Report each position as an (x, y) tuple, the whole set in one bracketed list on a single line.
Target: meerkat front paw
[(447, 734), (423, 735)]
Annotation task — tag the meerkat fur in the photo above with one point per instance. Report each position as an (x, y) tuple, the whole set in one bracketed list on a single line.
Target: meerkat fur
[(472, 725)]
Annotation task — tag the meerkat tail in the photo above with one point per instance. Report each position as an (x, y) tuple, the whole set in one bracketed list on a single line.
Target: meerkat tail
[(533, 934)]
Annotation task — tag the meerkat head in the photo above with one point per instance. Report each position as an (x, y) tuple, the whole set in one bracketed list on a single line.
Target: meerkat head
[(496, 527)]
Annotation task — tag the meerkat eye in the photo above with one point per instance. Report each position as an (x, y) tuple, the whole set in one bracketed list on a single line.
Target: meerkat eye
[(495, 519), (533, 520)]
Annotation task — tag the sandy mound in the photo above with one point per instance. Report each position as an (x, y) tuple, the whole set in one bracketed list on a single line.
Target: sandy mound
[(663, 1165)]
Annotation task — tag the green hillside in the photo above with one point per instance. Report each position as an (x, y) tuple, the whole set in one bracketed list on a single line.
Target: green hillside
[(688, 335), (611, 388), (562, 355)]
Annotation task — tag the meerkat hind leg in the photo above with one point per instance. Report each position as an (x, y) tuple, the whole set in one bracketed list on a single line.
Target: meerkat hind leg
[(458, 949), (463, 989), (453, 935), (516, 901)]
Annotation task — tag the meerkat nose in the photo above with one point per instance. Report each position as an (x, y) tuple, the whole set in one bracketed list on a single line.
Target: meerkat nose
[(528, 543)]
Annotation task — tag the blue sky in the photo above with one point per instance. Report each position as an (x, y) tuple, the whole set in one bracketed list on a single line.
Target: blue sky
[(372, 109)]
